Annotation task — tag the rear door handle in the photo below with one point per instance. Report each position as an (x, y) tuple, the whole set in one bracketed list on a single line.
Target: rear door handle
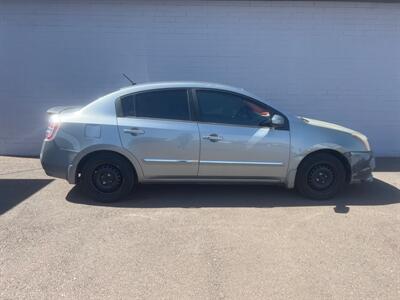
[(134, 131), (213, 137)]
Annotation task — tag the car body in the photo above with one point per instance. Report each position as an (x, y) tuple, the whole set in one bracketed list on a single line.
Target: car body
[(198, 132)]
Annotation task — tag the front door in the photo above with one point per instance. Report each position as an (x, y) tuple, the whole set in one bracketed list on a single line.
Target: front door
[(156, 128), (234, 144)]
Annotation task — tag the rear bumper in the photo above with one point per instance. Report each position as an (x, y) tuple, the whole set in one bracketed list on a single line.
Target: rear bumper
[(55, 161), (362, 163)]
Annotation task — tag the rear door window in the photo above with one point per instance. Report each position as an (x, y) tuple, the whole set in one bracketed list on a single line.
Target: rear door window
[(163, 104)]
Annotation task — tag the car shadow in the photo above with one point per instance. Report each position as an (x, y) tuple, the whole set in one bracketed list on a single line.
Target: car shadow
[(201, 195), (14, 191)]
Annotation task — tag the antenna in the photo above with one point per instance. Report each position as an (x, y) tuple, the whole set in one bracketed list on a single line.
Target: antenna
[(133, 83)]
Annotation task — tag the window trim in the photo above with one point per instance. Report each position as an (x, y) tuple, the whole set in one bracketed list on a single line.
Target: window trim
[(120, 113), (247, 98)]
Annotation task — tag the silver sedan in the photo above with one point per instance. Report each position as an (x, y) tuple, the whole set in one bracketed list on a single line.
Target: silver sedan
[(198, 132)]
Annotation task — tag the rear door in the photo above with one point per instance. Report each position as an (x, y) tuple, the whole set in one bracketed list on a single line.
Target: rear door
[(157, 128)]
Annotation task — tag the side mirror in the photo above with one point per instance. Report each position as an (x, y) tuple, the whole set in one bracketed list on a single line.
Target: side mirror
[(277, 121)]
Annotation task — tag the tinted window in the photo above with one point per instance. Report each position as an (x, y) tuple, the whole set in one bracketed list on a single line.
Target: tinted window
[(220, 107), (165, 104), (128, 106)]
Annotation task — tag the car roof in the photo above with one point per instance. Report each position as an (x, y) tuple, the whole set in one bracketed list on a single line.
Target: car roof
[(182, 84), (106, 104)]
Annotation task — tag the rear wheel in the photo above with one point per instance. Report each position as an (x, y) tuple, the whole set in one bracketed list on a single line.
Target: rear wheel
[(320, 176), (107, 177)]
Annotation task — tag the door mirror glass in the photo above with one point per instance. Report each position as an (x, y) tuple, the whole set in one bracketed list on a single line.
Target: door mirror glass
[(277, 121)]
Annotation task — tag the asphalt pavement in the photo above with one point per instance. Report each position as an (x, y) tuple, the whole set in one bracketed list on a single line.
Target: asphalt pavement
[(197, 241)]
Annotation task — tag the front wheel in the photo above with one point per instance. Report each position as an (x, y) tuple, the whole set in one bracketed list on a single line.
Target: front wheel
[(107, 177), (320, 176)]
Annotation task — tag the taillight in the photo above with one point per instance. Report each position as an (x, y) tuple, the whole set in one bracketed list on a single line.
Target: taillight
[(54, 125)]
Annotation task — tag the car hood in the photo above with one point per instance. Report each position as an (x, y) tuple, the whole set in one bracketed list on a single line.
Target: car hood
[(336, 127)]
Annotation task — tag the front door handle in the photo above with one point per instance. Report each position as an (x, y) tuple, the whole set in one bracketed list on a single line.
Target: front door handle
[(134, 131), (213, 137)]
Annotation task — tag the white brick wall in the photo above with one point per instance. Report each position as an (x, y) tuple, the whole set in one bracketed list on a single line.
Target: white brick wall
[(334, 61)]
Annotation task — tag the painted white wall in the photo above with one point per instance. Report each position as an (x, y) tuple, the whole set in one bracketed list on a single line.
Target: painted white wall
[(335, 61)]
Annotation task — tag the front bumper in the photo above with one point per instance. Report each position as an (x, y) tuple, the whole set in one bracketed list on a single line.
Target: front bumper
[(362, 163)]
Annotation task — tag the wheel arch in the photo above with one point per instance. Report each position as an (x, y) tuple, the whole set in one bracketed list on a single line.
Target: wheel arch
[(336, 154), (342, 158), (75, 168)]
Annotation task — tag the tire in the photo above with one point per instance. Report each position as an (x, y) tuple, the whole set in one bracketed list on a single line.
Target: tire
[(107, 177), (320, 176)]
